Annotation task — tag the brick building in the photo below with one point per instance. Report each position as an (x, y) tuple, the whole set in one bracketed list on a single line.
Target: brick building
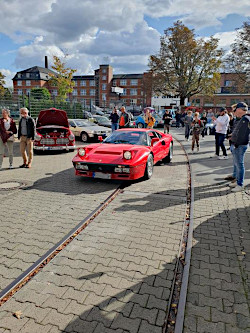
[(228, 94), (90, 89)]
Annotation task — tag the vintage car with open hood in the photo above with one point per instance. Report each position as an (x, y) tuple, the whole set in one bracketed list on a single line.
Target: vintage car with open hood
[(126, 154), (53, 132)]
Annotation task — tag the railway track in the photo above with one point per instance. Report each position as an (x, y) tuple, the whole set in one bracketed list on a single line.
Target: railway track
[(176, 305)]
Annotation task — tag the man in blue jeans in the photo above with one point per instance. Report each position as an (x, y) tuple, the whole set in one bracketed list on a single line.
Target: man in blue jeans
[(240, 142), (114, 117)]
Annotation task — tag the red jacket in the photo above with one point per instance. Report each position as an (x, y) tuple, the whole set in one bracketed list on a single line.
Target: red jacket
[(3, 134)]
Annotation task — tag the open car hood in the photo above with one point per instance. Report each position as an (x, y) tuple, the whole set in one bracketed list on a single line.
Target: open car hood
[(52, 117)]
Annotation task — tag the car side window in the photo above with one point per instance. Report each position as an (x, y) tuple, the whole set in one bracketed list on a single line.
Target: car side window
[(71, 123)]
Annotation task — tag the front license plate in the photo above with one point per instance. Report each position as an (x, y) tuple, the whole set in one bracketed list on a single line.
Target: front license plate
[(101, 175)]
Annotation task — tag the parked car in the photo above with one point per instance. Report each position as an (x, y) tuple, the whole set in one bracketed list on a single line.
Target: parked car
[(102, 120), (126, 154), (53, 132), (140, 121), (86, 114), (87, 130)]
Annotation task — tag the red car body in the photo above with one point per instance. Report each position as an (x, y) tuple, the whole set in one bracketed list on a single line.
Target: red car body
[(52, 131), (106, 160)]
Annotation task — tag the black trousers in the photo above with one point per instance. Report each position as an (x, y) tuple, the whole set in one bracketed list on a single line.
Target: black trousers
[(219, 143)]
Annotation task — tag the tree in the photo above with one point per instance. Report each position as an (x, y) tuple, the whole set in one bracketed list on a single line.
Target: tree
[(40, 93), (62, 79), (185, 65), (238, 61), (2, 83)]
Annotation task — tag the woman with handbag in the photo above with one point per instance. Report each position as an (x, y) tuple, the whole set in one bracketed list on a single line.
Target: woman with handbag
[(7, 131)]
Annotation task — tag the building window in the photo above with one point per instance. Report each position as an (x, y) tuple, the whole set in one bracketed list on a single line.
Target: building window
[(114, 83), (134, 82), (27, 91), (19, 75), (133, 91), (104, 97), (54, 92), (19, 91), (83, 92), (221, 102), (19, 83), (83, 83), (27, 75), (28, 83), (92, 92), (74, 93), (133, 101), (92, 83), (228, 83), (75, 83), (104, 86), (124, 92), (104, 78), (104, 70), (123, 82)]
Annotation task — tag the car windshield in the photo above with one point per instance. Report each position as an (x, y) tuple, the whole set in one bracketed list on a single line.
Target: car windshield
[(129, 137), (81, 123)]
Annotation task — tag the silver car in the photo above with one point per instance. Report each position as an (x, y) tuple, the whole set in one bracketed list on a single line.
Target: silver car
[(87, 130)]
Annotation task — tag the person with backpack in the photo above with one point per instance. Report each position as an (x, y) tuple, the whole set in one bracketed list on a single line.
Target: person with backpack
[(197, 126)]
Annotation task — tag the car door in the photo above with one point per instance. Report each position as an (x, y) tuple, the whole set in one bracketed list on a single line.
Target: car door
[(157, 147)]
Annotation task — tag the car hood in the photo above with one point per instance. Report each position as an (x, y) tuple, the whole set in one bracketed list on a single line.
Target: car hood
[(52, 117), (113, 153)]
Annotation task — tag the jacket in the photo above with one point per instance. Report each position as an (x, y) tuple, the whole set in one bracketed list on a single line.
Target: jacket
[(126, 119), (114, 117), (241, 131), (222, 123), (31, 128), (3, 134)]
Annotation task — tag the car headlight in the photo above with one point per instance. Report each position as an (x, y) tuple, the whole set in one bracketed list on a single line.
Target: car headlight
[(81, 152), (71, 137), (37, 137), (127, 155)]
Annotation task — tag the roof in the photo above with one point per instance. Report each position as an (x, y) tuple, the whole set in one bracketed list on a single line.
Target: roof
[(36, 73), (127, 76)]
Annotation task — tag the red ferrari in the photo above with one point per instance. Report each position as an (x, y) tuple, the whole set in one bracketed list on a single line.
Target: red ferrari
[(126, 154)]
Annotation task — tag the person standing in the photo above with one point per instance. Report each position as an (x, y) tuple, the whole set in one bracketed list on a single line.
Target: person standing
[(204, 121), (239, 144), (178, 119), (167, 118), (114, 117), (221, 125), (188, 122), (26, 134), (124, 118), (7, 131), (197, 127)]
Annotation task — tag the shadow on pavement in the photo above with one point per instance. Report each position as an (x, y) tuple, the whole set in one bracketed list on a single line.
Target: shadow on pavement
[(141, 307)]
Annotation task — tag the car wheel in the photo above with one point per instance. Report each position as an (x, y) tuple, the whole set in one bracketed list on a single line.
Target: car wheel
[(140, 125), (169, 157), (84, 137), (149, 167)]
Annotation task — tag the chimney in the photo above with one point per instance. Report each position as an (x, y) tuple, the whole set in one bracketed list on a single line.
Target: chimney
[(46, 62)]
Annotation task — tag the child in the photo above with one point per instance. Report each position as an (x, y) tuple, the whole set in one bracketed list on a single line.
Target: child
[(197, 126)]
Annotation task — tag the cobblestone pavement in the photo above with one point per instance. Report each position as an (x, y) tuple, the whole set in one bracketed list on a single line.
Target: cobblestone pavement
[(116, 275), (36, 217), (219, 283)]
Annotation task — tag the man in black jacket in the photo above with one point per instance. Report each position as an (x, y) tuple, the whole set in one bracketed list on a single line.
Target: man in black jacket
[(114, 117), (26, 134), (239, 144)]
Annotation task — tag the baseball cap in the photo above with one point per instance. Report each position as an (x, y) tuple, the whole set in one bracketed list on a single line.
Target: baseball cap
[(223, 109), (242, 105)]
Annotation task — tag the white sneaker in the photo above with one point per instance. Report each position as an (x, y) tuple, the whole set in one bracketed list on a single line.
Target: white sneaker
[(197, 149), (233, 184), (238, 188), (11, 166), (223, 157)]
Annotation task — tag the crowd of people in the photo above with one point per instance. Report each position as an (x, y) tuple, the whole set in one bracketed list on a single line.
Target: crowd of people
[(234, 126)]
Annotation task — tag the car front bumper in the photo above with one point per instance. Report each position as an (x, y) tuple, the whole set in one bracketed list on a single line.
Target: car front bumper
[(54, 147)]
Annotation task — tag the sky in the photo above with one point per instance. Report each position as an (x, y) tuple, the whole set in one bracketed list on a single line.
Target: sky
[(92, 32)]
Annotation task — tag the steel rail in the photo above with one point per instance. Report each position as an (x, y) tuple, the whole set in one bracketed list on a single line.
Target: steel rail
[(177, 299), (28, 274)]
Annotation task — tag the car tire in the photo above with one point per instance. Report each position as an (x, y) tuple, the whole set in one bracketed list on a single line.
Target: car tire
[(140, 125), (169, 156), (149, 167), (84, 137)]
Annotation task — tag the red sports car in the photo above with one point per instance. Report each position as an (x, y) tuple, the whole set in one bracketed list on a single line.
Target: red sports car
[(126, 154), (52, 131)]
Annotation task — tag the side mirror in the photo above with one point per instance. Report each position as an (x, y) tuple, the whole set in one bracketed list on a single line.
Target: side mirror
[(154, 140), (100, 138)]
